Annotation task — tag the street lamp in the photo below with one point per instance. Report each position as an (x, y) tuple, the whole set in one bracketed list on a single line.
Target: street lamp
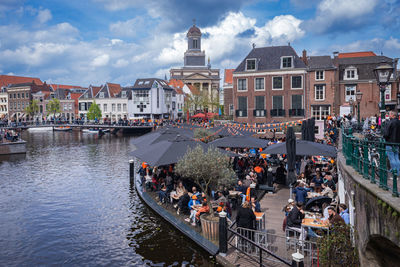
[(382, 75), (359, 95)]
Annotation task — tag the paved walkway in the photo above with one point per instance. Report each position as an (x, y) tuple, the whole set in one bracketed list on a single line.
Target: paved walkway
[(272, 205)]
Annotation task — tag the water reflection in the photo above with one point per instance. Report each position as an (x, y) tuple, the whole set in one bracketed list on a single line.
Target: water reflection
[(69, 202)]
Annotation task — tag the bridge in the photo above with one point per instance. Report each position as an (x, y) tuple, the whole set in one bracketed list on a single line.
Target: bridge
[(370, 190)]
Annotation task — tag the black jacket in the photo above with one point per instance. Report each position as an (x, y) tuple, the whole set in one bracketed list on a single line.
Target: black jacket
[(392, 131), (295, 218), (245, 218)]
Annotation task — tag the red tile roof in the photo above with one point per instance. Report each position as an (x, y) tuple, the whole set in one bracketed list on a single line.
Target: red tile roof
[(95, 90), (63, 86), (5, 80), (357, 54), (176, 83), (228, 76), (179, 91), (114, 89)]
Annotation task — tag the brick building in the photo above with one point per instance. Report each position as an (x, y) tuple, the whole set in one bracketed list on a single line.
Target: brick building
[(269, 86), (228, 92)]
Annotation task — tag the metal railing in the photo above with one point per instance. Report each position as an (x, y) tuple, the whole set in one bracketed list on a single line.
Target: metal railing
[(69, 123), (370, 159)]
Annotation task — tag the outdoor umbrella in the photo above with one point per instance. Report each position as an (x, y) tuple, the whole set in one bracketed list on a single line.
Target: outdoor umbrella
[(170, 151), (311, 127), (303, 148), (318, 201), (159, 135), (291, 155), (304, 130), (199, 115), (240, 142)]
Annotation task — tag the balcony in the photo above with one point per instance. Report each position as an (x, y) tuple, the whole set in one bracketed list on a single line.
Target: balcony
[(241, 113), (277, 113), (260, 113), (296, 112)]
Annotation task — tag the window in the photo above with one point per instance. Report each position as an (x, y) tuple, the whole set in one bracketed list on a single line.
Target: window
[(259, 84), (10, 96), (141, 96), (15, 95), (350, 93), (242, 84), (286, 62), (297, 102), (297, 82), (23, 105), (319, 92), (101, 95), (124, 107), (320, 112), (277, 102), (319, 75), (242, 106), (259, 106), (113, 107), (105, 107), (230, 109), (250, 64), (119, 107), (27, 96), (140, 83), (158, 97), (350, 73), (277, 83), (123, 94), (18, 95), (195, 43)]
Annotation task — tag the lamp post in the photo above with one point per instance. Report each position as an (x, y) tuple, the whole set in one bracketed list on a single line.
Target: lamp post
[(359, 95), (382, 75)]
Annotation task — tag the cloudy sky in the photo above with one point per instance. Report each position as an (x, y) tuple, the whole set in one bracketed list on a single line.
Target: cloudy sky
[(96, 41)]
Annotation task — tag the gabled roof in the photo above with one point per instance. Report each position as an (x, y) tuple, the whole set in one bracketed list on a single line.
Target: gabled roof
[(193, 89), (113, 89), (63, 86), (176, 83), (91, 92), (357, 54), (228, 76), (6, 80), (269, 58), (320, 63), (364, 60), (146, 84)]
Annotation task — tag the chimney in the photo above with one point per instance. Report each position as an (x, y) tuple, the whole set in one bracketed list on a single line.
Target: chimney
[(304, 57)]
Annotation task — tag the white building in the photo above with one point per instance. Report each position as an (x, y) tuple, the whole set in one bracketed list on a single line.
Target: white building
[(86, 100), (113, 102), (152, 99), (3, 104)]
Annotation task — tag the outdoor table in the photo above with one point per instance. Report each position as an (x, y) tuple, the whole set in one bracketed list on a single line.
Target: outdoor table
[(260, 220), (314, 223), (313, 194)]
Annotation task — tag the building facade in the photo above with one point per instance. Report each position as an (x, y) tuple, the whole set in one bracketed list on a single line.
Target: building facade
[(228, 92), (86, 100), (3, 104), (269, 86), (113, 102), (151, 99), (195, 71)]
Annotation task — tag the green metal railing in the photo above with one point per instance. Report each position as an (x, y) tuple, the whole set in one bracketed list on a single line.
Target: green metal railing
[(370, 159)]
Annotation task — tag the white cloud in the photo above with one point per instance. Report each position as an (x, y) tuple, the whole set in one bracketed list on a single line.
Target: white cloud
[(127, 28), (333, 14), (101, 60), (44, 15), (121, 63), (174, 52)]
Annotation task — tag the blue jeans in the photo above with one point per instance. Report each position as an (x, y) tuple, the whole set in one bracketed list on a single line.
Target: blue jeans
[(393, 155)]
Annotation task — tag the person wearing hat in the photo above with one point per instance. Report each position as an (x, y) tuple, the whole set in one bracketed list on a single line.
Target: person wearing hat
[(193, 204)]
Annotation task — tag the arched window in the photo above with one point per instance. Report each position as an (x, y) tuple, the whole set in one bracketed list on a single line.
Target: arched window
[(195, 43)]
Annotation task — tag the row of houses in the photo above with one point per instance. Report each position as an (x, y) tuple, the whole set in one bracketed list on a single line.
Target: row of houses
[(274, 84), (150, 98)]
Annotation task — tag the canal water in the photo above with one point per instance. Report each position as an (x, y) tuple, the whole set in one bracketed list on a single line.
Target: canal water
[(68, 202)]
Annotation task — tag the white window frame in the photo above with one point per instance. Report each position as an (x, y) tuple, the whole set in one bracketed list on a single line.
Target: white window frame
[(255, 104), (283, 101), (351, 68), (238, 85), (348, 97), (101, 95), (291, 101), (291, 67), (323, 92), (255, 84), (247, 106), (277, 89), (255, 64), (291, 82), (323, 75), (231, 110), (319, 117)]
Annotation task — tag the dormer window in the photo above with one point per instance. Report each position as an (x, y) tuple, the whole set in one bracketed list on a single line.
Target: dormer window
[(123, 94), (350, 73), (251, 64), (287, 62), (101, 95), (140, 83)]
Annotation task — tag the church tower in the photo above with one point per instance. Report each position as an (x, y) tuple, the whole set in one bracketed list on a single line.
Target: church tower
[(193, 56)]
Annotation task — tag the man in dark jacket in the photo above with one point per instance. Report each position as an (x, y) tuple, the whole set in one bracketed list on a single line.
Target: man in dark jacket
[(392, 135), (295, 218), (301, 193)]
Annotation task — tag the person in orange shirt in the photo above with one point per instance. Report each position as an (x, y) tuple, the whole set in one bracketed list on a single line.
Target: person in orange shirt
[(203, 209)]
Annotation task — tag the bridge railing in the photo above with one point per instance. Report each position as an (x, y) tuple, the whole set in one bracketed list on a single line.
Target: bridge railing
[(67, 122), (376, 160)]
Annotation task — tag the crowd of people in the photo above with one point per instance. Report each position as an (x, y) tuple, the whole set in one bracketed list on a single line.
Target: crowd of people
[(7, 135)]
